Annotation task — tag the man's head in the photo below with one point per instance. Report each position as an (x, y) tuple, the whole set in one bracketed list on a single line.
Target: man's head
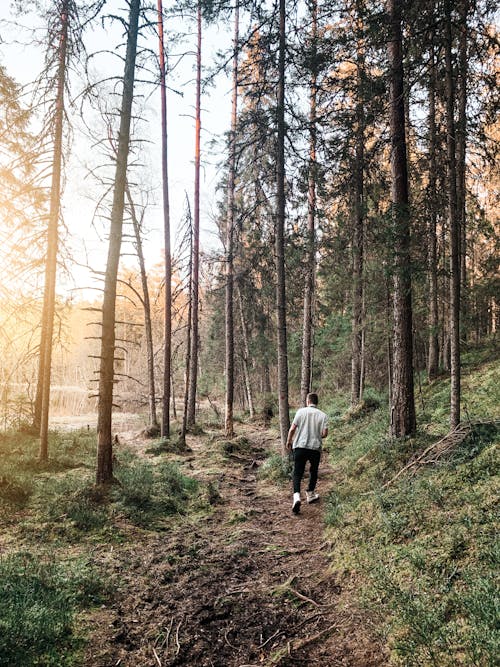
[(312, 399)]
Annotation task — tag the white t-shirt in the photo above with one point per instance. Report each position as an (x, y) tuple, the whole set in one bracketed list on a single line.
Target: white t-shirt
[(310, 422)]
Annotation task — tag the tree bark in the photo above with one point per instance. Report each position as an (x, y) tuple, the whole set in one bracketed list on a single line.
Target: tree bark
[(461, 140), (167, 331), (229, 315), (433, 356), (45, 367), (454, 227), (193, 366), (104, 473), (358, 219), (403, 401), (309, 287), (284, 416)]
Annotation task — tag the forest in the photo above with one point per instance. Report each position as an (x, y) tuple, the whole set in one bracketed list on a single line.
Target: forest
[(209, 210)]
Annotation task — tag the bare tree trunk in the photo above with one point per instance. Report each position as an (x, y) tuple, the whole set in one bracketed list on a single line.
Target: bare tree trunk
[(189, 337), (433, 357), (146, 303), (167, 353), (37, 407), (104, 471), (193, 366), (358, 227), (246, 356), (461, 139), (229, 424), (454, 228), (52, 243), (403, 401), (307, 329), (172, 393), (284, 416), (389, 341)]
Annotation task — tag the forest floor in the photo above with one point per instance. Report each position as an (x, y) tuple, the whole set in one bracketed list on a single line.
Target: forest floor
[(248, 584)]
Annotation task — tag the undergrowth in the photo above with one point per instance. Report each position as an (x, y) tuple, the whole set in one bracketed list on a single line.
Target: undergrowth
[(426, 546), (39, 599), (58, 505)]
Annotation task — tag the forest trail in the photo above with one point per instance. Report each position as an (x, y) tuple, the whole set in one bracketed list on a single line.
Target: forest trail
[(248, 585)]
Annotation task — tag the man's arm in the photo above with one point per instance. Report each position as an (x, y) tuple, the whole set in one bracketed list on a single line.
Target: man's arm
[(290, 437), (324, 432)]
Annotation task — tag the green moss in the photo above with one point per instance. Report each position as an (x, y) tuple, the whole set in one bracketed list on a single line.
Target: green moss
[(39, 599), (426, 545)]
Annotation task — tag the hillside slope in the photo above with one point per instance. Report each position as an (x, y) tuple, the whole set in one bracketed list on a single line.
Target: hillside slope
[(425, 544)]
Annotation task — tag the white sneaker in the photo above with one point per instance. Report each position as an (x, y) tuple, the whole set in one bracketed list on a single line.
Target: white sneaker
[(312, 496), (296, 503)]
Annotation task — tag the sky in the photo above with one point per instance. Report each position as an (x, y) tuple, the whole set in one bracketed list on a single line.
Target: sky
[(86, 240)]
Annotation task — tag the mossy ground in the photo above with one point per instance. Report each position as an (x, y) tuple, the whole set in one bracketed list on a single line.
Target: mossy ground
[(52, 519), (426, 547)]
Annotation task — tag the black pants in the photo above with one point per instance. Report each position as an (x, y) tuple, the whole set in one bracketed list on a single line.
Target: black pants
[(300, 457)]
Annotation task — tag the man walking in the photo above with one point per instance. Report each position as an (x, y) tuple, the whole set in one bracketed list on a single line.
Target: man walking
[(309, 427)]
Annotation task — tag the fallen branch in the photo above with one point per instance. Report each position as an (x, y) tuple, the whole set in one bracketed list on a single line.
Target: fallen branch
[(292, 646), (227, 640), (305, 598), (156, 656), (276, 634), (177, 638), (450, 440)]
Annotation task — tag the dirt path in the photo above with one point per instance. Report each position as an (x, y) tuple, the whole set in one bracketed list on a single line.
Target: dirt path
[(248, 586)]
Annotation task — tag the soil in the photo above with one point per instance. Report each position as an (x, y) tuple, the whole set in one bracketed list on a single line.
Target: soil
[(249, 585)]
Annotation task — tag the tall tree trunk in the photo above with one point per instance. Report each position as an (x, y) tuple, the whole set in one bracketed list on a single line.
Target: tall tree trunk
[(45, 367), (193, 366), (403, 401), (284, 415), (167, 331), (172, 394), (229, 425), (461, 139), (358, 219), (454, 227), (246, 355), (307, 328), (104, 471), (189, 336), (146, 303), (433, 357)]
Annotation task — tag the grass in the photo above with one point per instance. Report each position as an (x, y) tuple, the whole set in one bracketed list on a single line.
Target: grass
[(147, 493), (39, 600), (425, 549), (276, 469), (57, 505)]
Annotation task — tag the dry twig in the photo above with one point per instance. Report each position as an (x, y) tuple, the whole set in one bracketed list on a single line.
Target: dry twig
[(156, 656)]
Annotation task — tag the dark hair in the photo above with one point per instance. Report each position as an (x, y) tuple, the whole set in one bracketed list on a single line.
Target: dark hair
[(312, 398)]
